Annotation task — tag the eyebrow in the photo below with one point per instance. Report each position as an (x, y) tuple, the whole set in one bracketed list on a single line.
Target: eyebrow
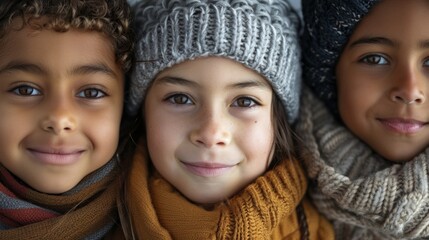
[(372, 40), (424, 44), (93, 69), (176, 81), (185, 82), (24, 67), (38, 70), (384, 41), (251, 83)]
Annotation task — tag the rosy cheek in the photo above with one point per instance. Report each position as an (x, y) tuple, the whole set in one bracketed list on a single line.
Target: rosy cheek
[(262, 134)]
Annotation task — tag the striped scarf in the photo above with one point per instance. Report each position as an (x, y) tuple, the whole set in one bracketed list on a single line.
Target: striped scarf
[(85, 212), (367, 196)]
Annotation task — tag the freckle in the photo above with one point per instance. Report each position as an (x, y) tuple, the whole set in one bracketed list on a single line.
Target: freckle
[(256, 121)]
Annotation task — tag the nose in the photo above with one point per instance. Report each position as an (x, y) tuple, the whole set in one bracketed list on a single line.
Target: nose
[(211, 130), (409, 88), (58, 117)]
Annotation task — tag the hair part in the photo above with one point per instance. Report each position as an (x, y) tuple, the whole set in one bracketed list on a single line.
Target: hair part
[(110, 17)]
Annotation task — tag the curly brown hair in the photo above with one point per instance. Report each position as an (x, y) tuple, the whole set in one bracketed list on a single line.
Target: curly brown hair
[(110, 17)]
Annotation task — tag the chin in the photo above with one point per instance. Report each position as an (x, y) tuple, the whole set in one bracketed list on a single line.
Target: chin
[(207, 201), (53, 189), (398, 157)]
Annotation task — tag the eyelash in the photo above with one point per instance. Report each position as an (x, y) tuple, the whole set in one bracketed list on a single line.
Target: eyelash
[(249, 102), (253, 102), (99, 93), (369, 59), (173, 97), (30, 89)]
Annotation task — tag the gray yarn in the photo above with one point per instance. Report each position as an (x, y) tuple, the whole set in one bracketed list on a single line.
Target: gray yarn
[(261, 34), (328, 26), (364, 195)]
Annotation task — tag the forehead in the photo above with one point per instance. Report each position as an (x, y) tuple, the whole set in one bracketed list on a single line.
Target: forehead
[(56, 49), (396, 19)]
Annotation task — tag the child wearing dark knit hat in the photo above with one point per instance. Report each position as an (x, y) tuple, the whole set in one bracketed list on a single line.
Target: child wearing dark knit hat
[(364, 115), (216, 87)]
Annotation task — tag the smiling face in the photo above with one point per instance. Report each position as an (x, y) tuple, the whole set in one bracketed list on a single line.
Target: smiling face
[(61, 97), (209, 128), (383, 79)]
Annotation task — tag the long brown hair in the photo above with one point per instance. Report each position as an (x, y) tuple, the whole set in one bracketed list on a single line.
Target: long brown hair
[(284, 137)]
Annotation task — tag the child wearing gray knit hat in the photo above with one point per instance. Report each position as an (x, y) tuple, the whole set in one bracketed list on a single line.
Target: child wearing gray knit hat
[(364, 115), (216, 87), (262, 40)]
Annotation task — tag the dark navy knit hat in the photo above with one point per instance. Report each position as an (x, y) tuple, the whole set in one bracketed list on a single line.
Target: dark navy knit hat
[(328, 26)]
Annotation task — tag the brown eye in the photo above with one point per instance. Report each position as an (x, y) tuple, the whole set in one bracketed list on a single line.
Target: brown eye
[(180, 99), (91, 93), (375, 59), (26, 90), (244, 102)]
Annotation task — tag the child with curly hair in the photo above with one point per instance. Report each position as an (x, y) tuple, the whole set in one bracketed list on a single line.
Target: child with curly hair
[(62, 67)]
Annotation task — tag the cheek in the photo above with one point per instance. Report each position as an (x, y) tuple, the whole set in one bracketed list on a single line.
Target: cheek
[(103, 132), (107, 135), (350, 95), (350, 109), (347, 100), (257, 140), (163, 132), (356, 101), (15, 126)]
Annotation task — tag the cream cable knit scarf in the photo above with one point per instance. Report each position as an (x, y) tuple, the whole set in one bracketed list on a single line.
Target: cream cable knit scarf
[(367, 196)]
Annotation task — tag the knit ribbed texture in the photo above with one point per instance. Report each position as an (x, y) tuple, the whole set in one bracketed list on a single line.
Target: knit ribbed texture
[(276, 196), (355, 186), (328, 26), (261, 34), (263, 210), (86, 212)]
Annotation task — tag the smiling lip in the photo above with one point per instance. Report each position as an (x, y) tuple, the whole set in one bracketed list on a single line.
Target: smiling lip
[(405, 126), (56, 157), (208, 169)]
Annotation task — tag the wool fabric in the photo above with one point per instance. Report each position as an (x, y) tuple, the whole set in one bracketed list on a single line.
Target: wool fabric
[(87, 211), (328, 26), (261, 34), (266, 209), (366, 196)]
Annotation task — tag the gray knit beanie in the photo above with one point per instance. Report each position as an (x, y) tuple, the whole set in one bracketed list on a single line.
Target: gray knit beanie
[(328, 26), (261, 34)]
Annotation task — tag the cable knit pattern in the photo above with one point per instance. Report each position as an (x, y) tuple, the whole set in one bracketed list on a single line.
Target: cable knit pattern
[(355, 186), (261, 34), (266, 209), (276, 195)]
